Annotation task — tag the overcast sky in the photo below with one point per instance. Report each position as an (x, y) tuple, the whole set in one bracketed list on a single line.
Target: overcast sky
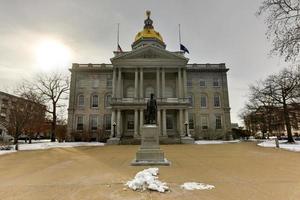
[(213, 31)]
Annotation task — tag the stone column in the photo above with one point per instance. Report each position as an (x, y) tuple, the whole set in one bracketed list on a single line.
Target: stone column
[(157, 83), (114, 82), (136, 123), (181, 122), (141, 83), (113, 119), (180, 86), (119, 83), (119, 123), (141, 120), (187, 120), (184, 84), (163, 82), (159, 121), (136, 83), (164, 122)]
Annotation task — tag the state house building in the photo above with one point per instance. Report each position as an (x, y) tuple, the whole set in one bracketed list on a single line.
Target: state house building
[(110, 99)]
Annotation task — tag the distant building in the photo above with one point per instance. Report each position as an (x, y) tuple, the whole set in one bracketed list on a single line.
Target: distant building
[(105, 94), (6, 103)]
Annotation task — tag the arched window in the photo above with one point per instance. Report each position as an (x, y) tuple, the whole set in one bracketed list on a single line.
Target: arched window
[(81, 100), (169, 92), (203, 101), (129, 92), (95, 101), (149, 90), (217, 101), (107, 100)]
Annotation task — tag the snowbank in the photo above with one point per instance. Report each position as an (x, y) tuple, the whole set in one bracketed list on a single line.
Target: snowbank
[(196, 186), (282, 144), (216, 141), (147, 179), (46, 144)]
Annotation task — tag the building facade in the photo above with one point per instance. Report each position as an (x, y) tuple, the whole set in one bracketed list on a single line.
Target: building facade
[(110, 99)]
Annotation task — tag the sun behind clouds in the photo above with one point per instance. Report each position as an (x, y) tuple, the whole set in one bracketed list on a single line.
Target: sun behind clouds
[(52, 54)]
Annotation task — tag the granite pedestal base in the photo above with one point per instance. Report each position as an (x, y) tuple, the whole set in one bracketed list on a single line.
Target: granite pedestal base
[(149, 152)]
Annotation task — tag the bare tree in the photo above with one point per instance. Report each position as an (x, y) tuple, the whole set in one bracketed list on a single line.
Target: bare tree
[(283, 21), (283, 89), (53, 89)]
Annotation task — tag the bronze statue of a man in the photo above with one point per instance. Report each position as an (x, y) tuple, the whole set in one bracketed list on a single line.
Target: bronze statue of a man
[(151, 110)]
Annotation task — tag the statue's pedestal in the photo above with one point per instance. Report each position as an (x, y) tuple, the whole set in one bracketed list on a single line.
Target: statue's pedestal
[(113, 141), (149, 152)]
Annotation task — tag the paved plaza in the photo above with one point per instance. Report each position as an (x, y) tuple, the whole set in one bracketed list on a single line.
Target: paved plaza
[(238, 171)]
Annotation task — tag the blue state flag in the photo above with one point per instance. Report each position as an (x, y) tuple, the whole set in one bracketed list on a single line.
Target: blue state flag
[(183, 48)]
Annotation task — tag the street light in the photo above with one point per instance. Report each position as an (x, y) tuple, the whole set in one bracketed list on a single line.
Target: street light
[(186, 128), (114, 125)]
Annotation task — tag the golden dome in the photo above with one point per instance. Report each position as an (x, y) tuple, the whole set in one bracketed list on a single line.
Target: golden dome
[(148, 31)]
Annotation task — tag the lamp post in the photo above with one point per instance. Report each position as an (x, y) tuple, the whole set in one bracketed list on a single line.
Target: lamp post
[(186, 128), (114, 125)]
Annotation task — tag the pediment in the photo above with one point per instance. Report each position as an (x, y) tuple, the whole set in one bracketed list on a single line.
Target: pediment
[(149, 52)]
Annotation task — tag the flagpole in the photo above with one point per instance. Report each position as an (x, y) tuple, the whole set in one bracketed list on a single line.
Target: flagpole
[(179, 35), (118, 35)]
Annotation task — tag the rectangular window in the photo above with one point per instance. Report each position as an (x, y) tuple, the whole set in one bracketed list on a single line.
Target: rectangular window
[(202, 83), (204, 122), (203, 101), (191, 121), (130, 122), (79, 123), (107, 122), (95, 101), (189, 83), (109, 82), (81, 100), (216, 82), (94, 122), (217, 103), (218, 122)]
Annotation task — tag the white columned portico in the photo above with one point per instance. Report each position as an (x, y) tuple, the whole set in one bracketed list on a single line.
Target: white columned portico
[(159, 121), (136, 74), (114, 82), (163, 82), (136, 123), (141, 119), (119, 123), (187, 120), (179, 83), (184, 84), (157, 83), (141, 83), (119, 83), (164, 121), (113, 120), (181, 122)]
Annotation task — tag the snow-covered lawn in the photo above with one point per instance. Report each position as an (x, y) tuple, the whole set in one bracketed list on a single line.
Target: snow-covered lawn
[(46, 144), (196, 186), (147, 179), (282, 144), (216, 141)]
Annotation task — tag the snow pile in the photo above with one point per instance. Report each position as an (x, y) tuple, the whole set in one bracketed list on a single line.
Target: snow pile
[(196, 186), (216, 141), (46, 144), (147, 179), (282, 144)]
